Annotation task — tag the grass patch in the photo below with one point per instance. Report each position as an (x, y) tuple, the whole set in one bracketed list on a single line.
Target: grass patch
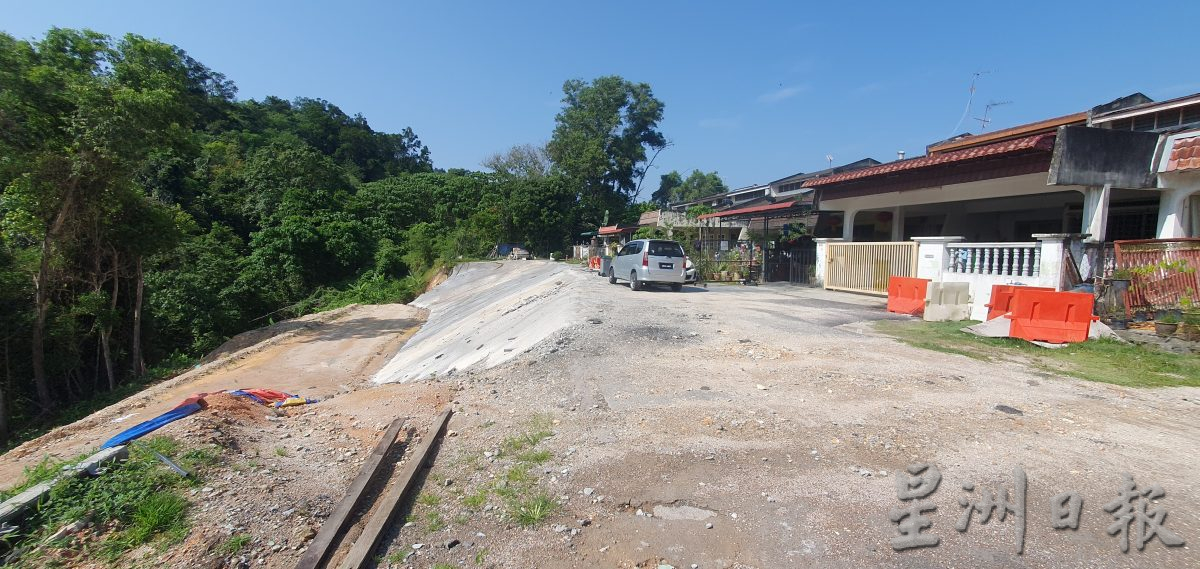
[(1106, 361), (480, 556), (531, 511), (539, 431), (235, 543), (434, 521), (476, 500), (141, 499), (280, 451), (427, 499), (534, 456)]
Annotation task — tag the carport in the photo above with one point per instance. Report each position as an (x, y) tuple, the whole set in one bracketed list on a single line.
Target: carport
[(786, 265)]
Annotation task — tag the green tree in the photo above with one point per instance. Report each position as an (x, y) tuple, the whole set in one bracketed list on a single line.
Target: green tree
[(602, 137), (675, 189), (522, 161)]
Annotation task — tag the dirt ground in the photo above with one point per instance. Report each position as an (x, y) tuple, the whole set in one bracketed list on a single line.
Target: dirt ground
[(728, 427)]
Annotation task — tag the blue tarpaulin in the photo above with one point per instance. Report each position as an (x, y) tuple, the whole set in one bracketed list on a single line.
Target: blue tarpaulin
[(140, 429)]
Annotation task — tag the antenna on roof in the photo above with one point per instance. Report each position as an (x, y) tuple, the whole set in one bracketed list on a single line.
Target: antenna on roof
[(970, 99), (984, 120), (829, 158)]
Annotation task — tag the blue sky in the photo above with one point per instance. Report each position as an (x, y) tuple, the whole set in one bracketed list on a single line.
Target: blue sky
[(754, 90)]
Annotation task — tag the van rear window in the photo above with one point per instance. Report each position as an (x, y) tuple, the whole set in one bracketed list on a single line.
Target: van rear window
[(665, 249)]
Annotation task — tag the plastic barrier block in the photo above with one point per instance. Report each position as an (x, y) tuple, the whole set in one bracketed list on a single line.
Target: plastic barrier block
[(948, 301), (1002, 298), (907, 295), (1048, 316)]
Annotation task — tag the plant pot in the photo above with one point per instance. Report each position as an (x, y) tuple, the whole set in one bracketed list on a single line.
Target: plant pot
[(1165, 330), (1176, 312), (1118, 324), (1139, 316), (1119, 285), (1189, 332)]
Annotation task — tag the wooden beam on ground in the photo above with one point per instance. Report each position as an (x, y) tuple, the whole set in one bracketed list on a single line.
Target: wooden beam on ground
[(335, 524), (360, 552)]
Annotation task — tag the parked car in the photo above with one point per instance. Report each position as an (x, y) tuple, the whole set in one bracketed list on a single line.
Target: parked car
[(689, 273), (519, 253), (649, 261)]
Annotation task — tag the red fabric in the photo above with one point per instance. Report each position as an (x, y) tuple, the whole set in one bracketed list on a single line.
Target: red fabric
[(268, 395)]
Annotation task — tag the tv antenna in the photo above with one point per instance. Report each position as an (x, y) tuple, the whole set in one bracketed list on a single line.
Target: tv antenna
[(829, 158), (970, 99), (984, 121)]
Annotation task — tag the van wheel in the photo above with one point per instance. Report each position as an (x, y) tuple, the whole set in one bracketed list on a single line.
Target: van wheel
[(612, 276), (676, 287), (634, 284)]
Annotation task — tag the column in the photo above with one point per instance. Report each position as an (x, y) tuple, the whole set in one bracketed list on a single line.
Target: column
[(1095, 212), (1051, 258), (1175, 212), (848, 224), (898, 223), (932, 256), (822, 259)]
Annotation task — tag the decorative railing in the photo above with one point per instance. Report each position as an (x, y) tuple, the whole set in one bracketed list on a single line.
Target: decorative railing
[(1001, 259)]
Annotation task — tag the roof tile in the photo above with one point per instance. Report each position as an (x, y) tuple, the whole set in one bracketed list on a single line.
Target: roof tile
[(1043, 141), (1185, 155)]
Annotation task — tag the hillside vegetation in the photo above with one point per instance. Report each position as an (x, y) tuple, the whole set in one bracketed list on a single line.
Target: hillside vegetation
[(148, 214)]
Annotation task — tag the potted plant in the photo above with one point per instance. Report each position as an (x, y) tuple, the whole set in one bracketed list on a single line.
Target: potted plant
[(1166, 325), (1140, 316), (1120, 280), (1118, 323), (1189, 329)]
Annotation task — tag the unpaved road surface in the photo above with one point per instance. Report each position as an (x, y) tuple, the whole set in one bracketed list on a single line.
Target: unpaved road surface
[(728, 427), (775, 414)]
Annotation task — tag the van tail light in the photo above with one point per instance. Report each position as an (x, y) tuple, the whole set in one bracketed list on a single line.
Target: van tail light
[(646, 258), (685, 264)]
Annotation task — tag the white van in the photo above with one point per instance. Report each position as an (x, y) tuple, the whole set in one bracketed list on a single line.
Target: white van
[(649, 261)]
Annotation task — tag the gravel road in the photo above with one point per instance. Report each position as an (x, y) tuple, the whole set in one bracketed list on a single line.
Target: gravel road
[(779, 417)]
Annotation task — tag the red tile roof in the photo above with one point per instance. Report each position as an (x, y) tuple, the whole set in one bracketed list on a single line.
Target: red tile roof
[(1185, 155), (616, 230), (1032, 128), (745, 210), (1043, 141)]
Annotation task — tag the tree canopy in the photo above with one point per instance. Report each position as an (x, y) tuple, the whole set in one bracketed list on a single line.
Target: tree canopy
[(673, 188), (147, 215)]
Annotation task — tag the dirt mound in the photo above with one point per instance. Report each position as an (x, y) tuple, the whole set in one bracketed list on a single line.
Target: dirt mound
[(232, 408)]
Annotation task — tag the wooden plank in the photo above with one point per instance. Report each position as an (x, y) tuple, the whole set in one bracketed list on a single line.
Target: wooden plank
[(360, 552), (335, 524)]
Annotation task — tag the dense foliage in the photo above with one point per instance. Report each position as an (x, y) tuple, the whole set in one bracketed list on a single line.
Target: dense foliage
[(147, 214), (674, 188)]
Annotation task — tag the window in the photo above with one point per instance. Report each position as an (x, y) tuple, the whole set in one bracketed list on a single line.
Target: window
[(630, 249), (1143, 123), (665, 249)]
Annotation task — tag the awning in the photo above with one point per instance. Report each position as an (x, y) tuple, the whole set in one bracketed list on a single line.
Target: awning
[(617, 230), (758, 209)]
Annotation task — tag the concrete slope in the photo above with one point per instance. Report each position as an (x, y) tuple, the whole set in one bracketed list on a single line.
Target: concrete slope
[(486, 313)]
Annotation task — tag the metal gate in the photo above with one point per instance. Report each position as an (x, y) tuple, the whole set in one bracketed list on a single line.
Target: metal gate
[(866, 267), (791, 264)]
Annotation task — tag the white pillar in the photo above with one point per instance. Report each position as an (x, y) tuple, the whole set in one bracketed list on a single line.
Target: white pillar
[(898, 223), (932, 257), (848, 224), (822, 259), (1174, 212), (1050, 269), (1095, 212)]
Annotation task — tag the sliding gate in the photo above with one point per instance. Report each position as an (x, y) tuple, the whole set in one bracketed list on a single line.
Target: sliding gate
[(866, 267)]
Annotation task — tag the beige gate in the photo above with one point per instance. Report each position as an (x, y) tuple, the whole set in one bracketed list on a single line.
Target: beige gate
[(865, 267)]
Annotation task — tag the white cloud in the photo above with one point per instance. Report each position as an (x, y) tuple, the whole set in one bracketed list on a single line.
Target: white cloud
[(781, 94)]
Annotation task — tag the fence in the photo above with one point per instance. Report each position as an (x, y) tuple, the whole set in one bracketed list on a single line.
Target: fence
[(1003, 259), (1164, 270), (866, 267)]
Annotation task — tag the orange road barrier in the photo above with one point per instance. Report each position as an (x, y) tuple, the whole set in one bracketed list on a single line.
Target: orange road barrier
[(1002, 296), (906, 295), (1048, 316), (594, 263)]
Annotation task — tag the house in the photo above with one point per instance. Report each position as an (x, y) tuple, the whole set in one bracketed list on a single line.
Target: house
[(1002, 186), (1035, 204)]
